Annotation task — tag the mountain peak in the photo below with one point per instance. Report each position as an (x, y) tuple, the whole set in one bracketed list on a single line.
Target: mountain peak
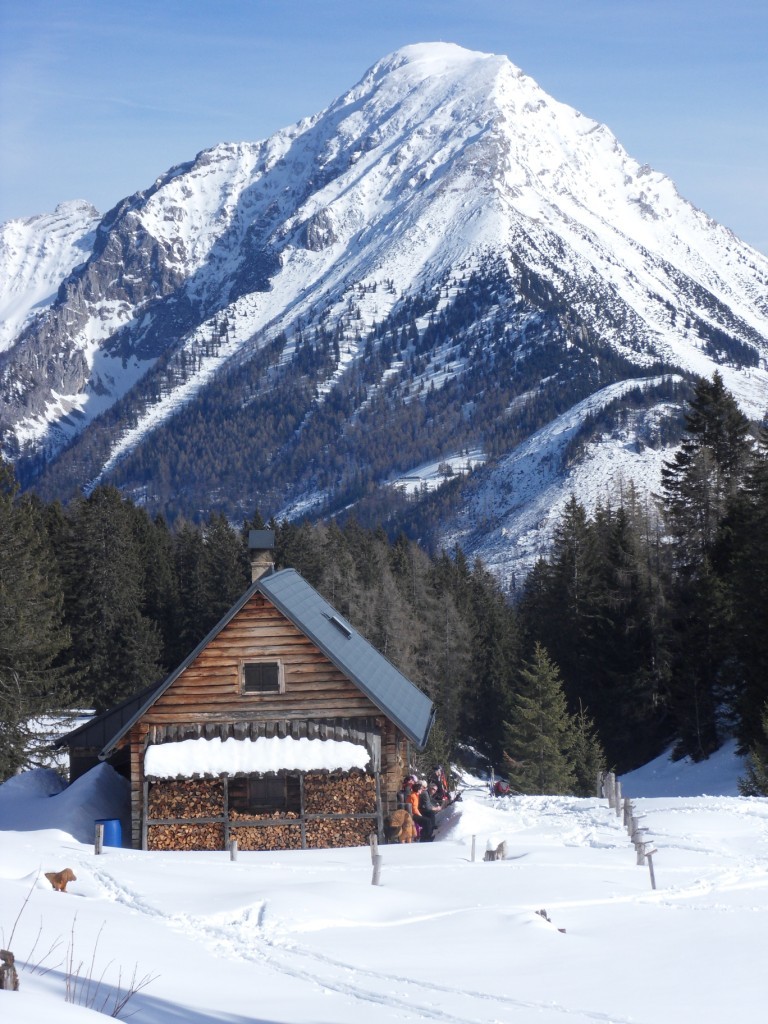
[(444, 237)]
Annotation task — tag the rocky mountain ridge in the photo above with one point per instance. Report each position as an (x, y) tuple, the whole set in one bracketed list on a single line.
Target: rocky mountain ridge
[(444, 260)]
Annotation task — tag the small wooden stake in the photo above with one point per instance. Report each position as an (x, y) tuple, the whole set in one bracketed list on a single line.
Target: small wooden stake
[(473, 848), (627, 811), (9, 978), (99, 840), (373, 839), (376, 880), (649, 855), (610, 789), (233, 849)]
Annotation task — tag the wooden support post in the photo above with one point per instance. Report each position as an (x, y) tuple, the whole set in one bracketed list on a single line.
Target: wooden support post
[(649, 856), (233, 849), (627, 812), (618, 798), (610, 789), (473, 848), (640, 847), (376, 880), (99, 840), (599, 785), (9, 978), (373, 839)]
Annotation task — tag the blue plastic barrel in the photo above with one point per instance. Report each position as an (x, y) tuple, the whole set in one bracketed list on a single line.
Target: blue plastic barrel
[(113, 832)]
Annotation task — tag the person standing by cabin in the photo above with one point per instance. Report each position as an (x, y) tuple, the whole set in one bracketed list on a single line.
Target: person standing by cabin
[(426, 825), (405, 791), (428, 810)]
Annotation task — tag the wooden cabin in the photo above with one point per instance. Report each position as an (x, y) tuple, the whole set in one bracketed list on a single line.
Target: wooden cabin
[(283, 729)]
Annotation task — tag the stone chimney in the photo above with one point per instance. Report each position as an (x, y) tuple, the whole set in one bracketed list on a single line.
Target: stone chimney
[(261, 545)]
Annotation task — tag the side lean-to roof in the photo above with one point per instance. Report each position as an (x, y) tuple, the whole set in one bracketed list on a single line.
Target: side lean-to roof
[(394, 694)]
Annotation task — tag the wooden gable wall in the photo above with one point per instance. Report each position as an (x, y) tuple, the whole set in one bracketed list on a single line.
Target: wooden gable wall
[(209, 688)]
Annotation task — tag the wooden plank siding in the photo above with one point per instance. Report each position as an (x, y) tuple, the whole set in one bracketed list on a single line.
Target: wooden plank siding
[(209, 688), (208, 694)]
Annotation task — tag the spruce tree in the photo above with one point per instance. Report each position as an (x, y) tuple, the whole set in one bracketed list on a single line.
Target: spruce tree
[(538, 734), (586, 753), (755, 780), (117, 648), (749, 588), (494, 663), (700, 485), (35, 675)]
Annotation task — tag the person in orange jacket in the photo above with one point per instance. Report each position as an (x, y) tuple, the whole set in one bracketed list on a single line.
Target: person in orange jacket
[(425, 822)]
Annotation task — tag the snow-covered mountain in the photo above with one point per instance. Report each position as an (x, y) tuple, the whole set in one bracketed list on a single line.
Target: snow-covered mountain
[(445, 260), (36, 254)]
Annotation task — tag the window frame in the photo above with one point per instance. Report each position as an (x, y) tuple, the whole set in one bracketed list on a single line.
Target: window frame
[(244, 795), (261, 661)]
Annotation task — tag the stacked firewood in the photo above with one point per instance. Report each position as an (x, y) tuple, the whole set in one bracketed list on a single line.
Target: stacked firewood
[(339, 793), (187, 798), (329, 834), (209, 836), (248, 816), (267, 837)]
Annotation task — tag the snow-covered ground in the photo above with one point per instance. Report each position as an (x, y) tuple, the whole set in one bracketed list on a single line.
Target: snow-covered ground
[(304, 936)]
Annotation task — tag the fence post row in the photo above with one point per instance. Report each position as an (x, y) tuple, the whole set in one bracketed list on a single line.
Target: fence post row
[(636, 834)]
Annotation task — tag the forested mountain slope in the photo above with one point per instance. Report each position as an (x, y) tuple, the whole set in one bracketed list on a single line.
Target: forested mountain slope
[(445, 261)]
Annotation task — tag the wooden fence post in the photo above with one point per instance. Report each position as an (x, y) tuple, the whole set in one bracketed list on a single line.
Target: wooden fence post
[(618, 798), (9, 977), (376, 869), (627, 812), (610, 788), (233, 849), (373, 839), (649, 856), (473, 848), (99, 840)]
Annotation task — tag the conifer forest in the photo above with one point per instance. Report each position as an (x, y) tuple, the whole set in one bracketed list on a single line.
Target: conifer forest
[(645, 626)]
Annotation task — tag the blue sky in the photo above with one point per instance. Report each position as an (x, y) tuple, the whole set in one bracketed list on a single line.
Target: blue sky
[(99, 98)]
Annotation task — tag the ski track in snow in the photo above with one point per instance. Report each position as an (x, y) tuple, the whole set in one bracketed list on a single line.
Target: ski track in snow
[(246, 939)]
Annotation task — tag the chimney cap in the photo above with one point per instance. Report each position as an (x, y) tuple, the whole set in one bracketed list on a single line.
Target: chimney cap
[(261, 540)]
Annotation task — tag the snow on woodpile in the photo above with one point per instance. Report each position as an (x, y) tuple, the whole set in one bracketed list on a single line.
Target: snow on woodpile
[(265, 754)]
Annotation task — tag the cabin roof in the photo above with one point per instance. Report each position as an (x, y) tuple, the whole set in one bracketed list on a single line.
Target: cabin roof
[(394, 694)]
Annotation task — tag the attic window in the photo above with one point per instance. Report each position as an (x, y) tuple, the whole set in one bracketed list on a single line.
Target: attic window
[(262, 677), (342, 628)]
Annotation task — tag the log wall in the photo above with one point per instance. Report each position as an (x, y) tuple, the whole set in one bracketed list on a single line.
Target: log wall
[(209, 688)]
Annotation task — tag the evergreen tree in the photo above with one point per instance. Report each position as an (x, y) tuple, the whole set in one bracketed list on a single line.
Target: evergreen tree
[(700, 485), (34, 675), (193, 615), (539, 732), (586, 753), (226, 566), (560, 608), (623, 678), (755, 781), (494, 664), (749, 589), (117, 648), (161, 592), (706, 472)]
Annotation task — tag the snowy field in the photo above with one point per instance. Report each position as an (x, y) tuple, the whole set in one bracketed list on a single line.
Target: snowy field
[(305, 937)]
